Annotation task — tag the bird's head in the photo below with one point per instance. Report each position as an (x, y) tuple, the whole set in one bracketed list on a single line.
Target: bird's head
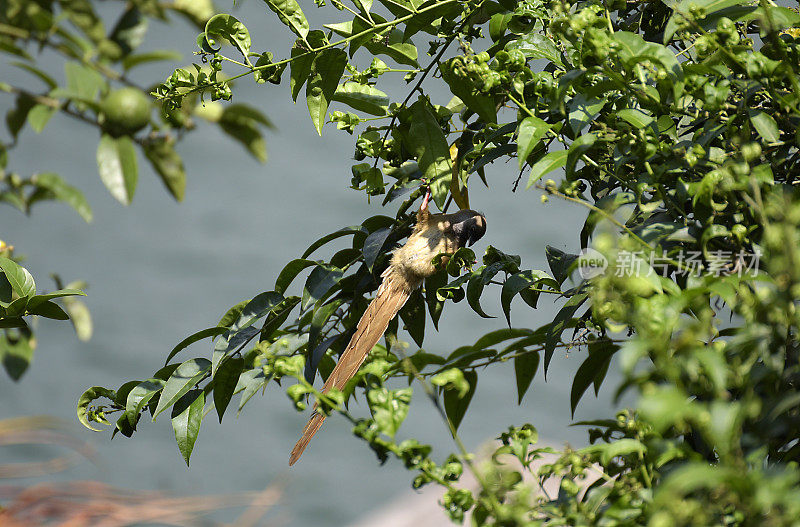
[(468, 226)]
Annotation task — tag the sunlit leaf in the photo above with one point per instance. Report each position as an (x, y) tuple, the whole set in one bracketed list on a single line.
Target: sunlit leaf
[(116, 161)]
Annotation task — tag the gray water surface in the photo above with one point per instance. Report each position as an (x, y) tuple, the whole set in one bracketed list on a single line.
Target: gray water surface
[(159, 271)]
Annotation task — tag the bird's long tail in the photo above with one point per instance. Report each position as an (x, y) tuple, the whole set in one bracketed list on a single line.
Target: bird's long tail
[(392, 295)]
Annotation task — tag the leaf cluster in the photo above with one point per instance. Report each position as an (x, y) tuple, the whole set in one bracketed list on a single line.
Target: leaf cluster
[(675, 128), (19, 303)]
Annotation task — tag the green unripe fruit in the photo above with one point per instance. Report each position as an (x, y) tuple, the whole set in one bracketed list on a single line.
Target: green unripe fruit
[(125, 111), (739, 230), (516, 60)]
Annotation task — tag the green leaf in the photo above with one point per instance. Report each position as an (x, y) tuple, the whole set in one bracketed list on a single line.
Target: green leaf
[(392, 44), (268, 72), (492, 154), (290, 272), (364, 6), (427, 142), (232, 314), (520, 282), (474, 290), (481, 104), (453, 290), (501, 335), (12, 322), (321, 316), (373, 245), (346, 231), (16, 118), (225, 380), (187, 415), (389, 408), (302, 59), (456, 404), (666, 406), (116, 161), (80, 317), (363, 32), (452, 379), (594, 367), (39, 116), (16, 351), (771, 17), (48, 309), (765, 125), (289, 13), (40, 74), (20, 279), (583, 111), (530, 132), (257, 308), (277, 317), (395, 47), (139, 396), (683, 10), (435, 305), (181, 381), (636, 117), (561, 321), (38, 299), (427, 13), (195, 337), (633, 49), (619, 447), (525, 366), (363, 97), (168, 165), (86, 398), (319, 283), (299, 69), (130, 30), (230, 342), (326, 70), (131, 61), (413, 316), (62, 191), (229, 28), (82, 81), (537, 45), (242, 122), (550, 162), (249, 383), (17, 307), (560, 263)]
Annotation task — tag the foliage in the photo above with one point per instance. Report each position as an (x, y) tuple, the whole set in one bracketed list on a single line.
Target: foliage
[(100, 90), (19, 303), (674, 125)]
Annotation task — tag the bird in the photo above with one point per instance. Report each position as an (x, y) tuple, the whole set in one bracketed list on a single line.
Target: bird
[(433, 234)]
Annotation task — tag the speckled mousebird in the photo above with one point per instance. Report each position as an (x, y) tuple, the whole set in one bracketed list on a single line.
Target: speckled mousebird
[(411, 264)]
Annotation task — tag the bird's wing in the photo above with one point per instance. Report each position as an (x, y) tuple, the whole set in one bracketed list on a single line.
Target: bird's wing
[(392, 295)]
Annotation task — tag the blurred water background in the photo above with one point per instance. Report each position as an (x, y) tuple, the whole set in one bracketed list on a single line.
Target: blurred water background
[(159, 271)]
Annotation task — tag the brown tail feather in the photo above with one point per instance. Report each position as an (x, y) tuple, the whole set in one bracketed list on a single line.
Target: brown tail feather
[(392, 295), (310, 429)]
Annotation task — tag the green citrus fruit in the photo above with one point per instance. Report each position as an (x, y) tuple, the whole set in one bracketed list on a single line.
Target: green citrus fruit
[(126, 111)]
